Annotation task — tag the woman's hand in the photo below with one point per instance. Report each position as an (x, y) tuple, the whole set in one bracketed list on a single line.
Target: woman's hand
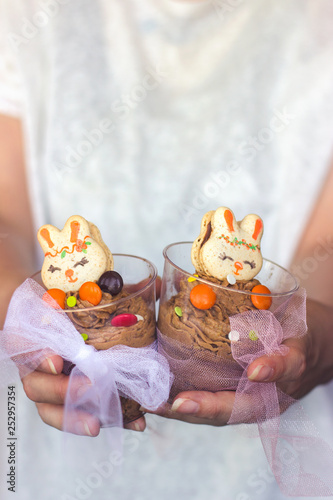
[(47, 387), (200, 407), (308, 363)]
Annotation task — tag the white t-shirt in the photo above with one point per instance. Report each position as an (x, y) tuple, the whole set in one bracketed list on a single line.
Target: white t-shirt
[(143, 115)]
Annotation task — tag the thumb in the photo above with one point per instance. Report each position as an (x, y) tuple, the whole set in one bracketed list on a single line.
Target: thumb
[(278, 367), (215, 407)]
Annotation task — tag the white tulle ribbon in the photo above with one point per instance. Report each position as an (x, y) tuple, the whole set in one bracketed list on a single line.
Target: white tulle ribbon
[(34, 330)]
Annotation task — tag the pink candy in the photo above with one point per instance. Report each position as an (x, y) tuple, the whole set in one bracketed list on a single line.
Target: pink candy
[(124, 320)]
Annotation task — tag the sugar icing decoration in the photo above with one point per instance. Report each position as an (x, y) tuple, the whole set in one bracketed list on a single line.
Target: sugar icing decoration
[(235, 241)]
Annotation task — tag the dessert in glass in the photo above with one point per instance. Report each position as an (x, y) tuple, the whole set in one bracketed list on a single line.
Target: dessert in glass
[(211, 290), (110, 298)]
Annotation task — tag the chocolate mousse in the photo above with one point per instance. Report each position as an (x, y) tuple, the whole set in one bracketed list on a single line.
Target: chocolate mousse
[(205, 329), (96, 321)]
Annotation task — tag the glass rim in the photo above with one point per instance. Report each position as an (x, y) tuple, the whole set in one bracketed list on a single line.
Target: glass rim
[(245, 292), (152, 278)]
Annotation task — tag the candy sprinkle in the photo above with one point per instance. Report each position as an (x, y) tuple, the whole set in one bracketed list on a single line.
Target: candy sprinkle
[(253, 335), (71, 301), (192, 278), (178, 311), (57, 295), (231, 279), (234, 336), (202, 296), (261, 301), (125, 319), (139, 318), (84, 336)]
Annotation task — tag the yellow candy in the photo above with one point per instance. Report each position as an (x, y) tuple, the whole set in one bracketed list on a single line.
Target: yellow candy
[(192, 278), (71, 301)]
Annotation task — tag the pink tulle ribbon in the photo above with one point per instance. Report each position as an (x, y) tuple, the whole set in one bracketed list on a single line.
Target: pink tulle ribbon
[(302, 462), (34, 330)]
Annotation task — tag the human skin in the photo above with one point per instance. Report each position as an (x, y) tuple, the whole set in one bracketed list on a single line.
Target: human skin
[(308, 363)]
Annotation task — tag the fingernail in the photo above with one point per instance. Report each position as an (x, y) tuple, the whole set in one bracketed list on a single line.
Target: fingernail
[(87, 430), (82, 428), (52, 367), (261, 373), (135, 426), (187, 406)]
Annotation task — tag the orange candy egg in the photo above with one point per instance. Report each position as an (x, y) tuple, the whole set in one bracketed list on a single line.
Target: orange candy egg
[(258, 301), (202, 296), (91, 292), (58, 295)]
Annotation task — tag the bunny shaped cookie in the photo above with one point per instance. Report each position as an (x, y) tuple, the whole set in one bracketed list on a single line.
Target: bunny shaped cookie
[(74, 255), (227, 247)]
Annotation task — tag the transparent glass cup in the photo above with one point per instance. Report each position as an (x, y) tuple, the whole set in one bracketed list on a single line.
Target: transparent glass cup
[(197, 343), (138, 298)]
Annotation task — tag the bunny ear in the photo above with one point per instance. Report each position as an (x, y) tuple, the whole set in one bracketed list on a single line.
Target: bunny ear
[(229, 218), (45, 234), (75, 228), (257, 229), (224, 219), (253, 226)]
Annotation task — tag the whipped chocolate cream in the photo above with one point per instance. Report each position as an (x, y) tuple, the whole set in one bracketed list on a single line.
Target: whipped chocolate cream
[(131, 410), (205, 329), (96, 323)]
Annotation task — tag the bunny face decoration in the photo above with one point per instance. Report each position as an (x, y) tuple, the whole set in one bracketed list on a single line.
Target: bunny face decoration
[(226, 247), (74, 255)]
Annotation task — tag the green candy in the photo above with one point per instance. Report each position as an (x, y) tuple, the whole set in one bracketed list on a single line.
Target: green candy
[(253, 336), (84, 336), (71, 301), (179, 311)]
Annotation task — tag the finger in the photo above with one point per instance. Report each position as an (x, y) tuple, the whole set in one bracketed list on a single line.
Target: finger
[(76, 422), (280, 368), (138, 425), (200, 407), (45, 387), (48, 388), (51, 364)]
